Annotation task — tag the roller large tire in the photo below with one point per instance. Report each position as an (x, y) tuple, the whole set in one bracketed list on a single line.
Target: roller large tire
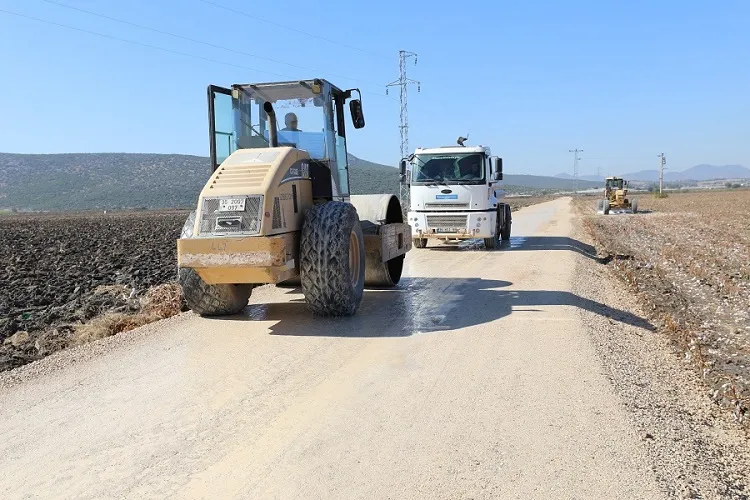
[(634, 205), (332, 259), (205, 299), (606, 207), (505, 232), (420, 242)]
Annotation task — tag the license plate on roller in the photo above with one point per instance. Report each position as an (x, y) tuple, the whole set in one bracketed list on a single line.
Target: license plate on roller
[(447, 230), (232, 205)]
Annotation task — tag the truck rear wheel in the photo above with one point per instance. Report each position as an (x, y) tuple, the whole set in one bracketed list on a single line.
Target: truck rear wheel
[(332, 259), (205, 299)]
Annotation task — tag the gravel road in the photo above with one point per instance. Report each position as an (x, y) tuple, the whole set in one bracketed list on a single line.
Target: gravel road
[(484, 375)]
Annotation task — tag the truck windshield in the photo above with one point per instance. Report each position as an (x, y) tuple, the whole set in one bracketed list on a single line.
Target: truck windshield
[(448, 168)]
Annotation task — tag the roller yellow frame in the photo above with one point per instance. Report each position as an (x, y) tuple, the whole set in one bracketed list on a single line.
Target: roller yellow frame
[(277, 206)]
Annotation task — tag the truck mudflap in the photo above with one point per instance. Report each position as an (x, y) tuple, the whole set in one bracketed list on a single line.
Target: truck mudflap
[(225, 260)]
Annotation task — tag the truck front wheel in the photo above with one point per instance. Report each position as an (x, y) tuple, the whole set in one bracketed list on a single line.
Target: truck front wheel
[(508, 220), (494, 241)]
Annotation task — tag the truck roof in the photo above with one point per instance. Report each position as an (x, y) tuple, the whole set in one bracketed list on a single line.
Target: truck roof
[(453, 150)]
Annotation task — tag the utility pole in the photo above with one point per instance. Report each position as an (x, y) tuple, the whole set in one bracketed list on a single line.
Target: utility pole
[(575, 165), (403, 82), (662, 161)]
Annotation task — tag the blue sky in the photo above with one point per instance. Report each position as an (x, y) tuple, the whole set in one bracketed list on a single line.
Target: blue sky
[(621, 80)]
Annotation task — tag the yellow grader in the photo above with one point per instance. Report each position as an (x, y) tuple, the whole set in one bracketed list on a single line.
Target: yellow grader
[(277, 207), (616, 198)]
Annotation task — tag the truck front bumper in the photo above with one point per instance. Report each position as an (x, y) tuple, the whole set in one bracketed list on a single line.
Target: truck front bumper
[(452, 225)]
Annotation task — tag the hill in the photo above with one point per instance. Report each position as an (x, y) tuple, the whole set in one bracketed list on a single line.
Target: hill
[(591, 178), (697, 173), (549, 183), (83, 181)]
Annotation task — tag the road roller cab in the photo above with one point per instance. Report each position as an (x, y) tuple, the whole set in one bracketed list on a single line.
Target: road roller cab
[(277, 205)]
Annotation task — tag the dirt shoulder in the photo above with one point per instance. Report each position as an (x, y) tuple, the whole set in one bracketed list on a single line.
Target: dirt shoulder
[(696, 446), (688, 261)]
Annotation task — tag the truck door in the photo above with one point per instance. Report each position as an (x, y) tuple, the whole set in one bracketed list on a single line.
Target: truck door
[(222, 138)]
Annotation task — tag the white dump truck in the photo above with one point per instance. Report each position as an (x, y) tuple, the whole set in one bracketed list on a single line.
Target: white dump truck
[(454, 194)]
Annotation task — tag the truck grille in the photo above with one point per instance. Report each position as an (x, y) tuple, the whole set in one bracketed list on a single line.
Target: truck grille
[(247, 222), (446, 221), (452, 206)]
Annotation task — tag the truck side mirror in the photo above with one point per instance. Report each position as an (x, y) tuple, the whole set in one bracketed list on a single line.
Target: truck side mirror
[(402, 170), (498, 172), (358, 117)]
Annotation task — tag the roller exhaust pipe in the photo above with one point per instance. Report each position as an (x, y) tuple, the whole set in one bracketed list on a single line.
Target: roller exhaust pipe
[(272, 134)]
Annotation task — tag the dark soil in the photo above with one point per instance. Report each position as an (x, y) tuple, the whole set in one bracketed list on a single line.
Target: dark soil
[(56, 270)]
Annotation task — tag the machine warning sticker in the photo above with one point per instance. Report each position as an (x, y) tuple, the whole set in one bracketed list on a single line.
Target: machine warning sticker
[(446, 196)]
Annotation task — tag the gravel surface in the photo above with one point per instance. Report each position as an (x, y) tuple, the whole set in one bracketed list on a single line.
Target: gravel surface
[(696, 449), (473, 379), (519, 373)]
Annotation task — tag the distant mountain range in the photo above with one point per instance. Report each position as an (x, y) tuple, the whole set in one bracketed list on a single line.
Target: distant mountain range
[(697, 173), (83, 181)]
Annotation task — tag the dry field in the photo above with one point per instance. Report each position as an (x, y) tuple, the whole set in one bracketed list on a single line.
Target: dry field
[(61, 271), (688, 260)]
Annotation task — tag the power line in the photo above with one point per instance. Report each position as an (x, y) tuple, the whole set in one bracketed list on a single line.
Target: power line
[(274, 23), (154, 47), (141, 44), (201, 42)]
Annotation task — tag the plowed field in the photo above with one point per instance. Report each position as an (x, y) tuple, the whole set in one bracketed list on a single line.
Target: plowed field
[(58, 271)]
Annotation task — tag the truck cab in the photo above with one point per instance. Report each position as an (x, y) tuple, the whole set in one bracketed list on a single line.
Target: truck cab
[(454, 195)]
